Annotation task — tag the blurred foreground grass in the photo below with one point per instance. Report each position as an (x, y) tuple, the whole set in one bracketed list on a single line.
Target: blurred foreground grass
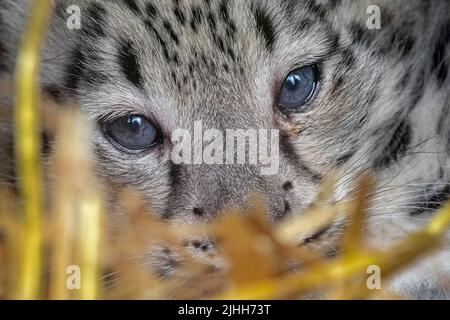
[(51, 225)]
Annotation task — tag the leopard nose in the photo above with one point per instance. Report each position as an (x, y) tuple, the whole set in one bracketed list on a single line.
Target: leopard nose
[(204, 192)]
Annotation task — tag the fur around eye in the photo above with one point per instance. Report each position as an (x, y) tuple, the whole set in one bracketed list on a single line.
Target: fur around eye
[(298, 89), (133, 132)]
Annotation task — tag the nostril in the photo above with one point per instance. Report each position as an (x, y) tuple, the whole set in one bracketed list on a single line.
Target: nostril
[(199, 212), (202, 245)]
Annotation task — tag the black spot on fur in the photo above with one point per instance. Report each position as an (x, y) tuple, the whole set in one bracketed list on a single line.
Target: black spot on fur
[(361, 35), (152, 11), (96, 14), (178, 13), (231, 31), (290, 7), (338, 85), (315, 9), (441, 173), (303, 24), (404, 81), (174, 174), (345, 158), (212, 22), (129, 63), (46, 143), (132, 5), (60, 10), (431, 202), (160, 40), (171, 32), (287, 186), (440, 64), (400, 42), (333, 4), (417, 92), (55, 92), (219, 41), (333, 41), (175, 59), (174, 77), (225, 17), (371, 98), (231, 54), (204, 60), (265, 27), (198, 212), (223, 11), (406, 46), (288, 149), (287, 207), (91, 74), (396, 147), (348, 57), (74, 70), (197, 18)]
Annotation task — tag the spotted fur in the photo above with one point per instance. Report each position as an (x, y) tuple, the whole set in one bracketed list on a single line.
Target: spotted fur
[(383, 102)]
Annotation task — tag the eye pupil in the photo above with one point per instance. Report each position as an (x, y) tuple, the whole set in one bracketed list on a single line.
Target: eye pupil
[(298, 88), (133, 132)]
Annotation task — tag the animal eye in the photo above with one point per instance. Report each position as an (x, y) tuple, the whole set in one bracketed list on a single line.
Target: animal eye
[(133, 132), (298, 88)]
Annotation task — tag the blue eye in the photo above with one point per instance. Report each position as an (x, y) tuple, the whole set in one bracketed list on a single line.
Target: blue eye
[(133, 132), (298, 88)]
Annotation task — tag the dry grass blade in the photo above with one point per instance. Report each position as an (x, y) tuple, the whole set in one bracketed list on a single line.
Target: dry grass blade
[(76, 218), (339, 271), (27, 150)]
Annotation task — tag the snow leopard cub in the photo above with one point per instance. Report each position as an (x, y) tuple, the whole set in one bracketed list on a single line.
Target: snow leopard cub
[(342, 95)]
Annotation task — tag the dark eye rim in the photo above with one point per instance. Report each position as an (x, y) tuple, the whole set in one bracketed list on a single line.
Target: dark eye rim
[(104, 125), (317, 67)]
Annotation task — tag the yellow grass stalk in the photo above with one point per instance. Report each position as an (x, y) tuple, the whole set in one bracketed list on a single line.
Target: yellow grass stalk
[(28, 145), (64, 207), (89, 206), (79, 208), (90, 236)]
